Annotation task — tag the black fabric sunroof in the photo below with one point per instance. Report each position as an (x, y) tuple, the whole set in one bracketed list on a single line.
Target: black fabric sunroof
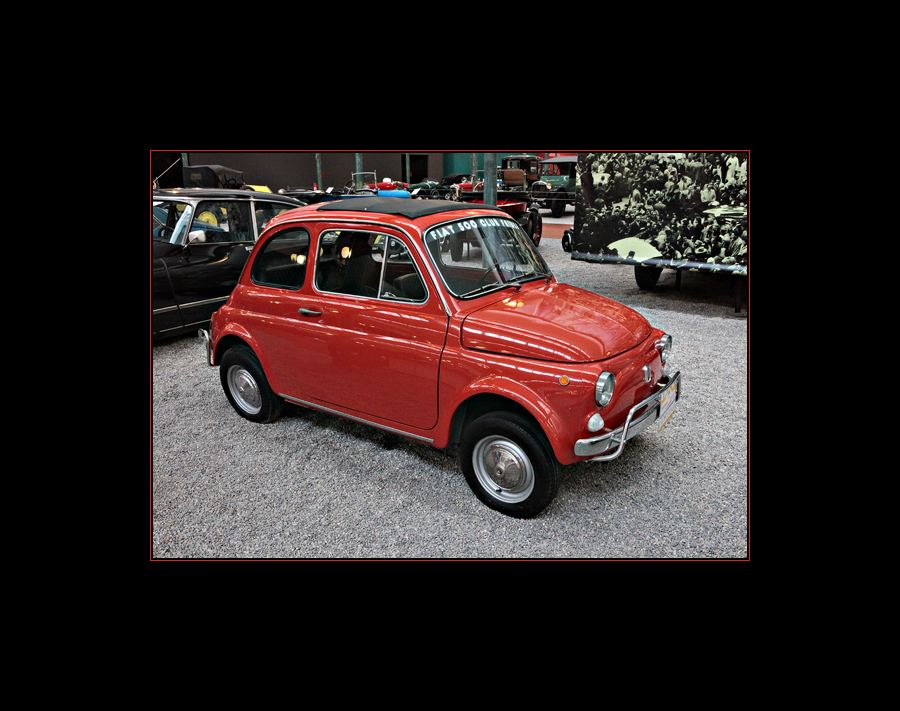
[(397, 206)]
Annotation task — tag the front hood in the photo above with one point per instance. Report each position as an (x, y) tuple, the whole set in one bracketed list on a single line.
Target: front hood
[(556, 322)]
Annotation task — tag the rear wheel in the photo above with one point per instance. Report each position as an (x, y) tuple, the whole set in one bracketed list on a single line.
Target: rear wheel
[(509, 464), (246, 386)]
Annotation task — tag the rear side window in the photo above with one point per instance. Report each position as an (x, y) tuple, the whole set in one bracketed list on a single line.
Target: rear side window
[(224, 221), (265, 211), (368, 264), (281, 263)]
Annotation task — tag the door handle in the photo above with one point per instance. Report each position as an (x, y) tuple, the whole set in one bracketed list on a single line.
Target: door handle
[(308, 312)]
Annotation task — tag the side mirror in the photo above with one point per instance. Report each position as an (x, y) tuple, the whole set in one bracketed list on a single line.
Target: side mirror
[(196, 236)]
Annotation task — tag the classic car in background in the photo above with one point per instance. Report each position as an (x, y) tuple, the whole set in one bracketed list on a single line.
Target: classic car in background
[(472, 190), (352, 308), (216, 176), (447, 189), (519, 171), (556, 186), (528, 218), (366, 184), (200, 241)]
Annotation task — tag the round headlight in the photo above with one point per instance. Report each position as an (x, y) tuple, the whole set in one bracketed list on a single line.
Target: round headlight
[(603, 391), (664, 345)]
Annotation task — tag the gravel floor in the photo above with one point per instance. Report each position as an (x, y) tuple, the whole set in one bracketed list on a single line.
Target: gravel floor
[(315, 486)]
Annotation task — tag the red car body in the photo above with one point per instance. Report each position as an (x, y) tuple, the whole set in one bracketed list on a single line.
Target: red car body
[(427, 368)]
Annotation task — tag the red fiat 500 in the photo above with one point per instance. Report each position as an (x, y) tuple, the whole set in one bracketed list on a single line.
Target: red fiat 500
[(359, 308)]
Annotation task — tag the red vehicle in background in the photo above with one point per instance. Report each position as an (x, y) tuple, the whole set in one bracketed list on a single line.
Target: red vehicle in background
[(514, 202)]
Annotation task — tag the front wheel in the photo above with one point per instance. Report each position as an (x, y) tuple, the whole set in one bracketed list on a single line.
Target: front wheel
[(558, 205), (246, 386), (536, 226), (509, 464), (646, 277)]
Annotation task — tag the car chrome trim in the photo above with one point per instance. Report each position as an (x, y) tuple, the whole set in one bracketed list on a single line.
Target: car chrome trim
[(380, 297), (337, 413), (597, 446), (205, 302), (416, 243), (204, 336)]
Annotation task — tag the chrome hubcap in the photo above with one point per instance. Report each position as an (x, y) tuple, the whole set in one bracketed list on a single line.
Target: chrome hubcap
[(244, 390), (503, 469)]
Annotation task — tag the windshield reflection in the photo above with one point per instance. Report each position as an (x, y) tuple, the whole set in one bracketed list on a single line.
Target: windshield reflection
[(482, 254)]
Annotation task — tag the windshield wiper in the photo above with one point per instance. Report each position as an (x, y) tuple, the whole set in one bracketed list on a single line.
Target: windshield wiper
[(527, 277), (494, 286)]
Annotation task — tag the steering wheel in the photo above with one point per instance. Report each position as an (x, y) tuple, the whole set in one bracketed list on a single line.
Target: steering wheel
[(487, 271)]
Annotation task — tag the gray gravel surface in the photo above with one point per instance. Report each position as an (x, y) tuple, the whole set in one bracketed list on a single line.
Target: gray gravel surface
[(313, 486)]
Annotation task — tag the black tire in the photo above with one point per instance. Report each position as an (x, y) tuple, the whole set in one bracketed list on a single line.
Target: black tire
[(646, 277), (246, 386), (456, 248), (558, 205), (536, 227), (509, 464)]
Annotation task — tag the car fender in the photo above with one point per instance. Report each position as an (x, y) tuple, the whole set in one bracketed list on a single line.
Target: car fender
[(557, 418), (225, 332)]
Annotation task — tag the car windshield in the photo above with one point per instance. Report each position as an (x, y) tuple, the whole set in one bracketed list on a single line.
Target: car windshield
[(475, 256)]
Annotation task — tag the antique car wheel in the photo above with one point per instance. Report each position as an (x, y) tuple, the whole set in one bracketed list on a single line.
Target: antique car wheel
[(558, 205), (456, 248), (646, 277), (509, 464), (246, 386), (535, 232)]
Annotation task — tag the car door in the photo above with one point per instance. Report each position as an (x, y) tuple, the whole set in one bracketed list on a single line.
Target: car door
[(365, 334), (166, 219), (206, 268)]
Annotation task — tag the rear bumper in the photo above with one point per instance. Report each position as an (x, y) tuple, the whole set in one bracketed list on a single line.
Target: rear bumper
[(204, 336), (605, 447)]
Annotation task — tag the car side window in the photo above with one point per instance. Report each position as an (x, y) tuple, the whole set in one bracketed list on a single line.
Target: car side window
[(223, 221), (281, 263), (367, 264), (265, 211), (401, 281)]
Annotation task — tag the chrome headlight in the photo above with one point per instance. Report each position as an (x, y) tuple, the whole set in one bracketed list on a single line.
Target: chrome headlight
[(664, 346), (603, 391)]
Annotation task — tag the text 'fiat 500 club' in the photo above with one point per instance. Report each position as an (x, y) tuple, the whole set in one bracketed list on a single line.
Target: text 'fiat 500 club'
[(358, 308)]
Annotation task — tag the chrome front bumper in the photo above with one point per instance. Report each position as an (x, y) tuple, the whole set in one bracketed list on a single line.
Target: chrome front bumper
[(597, 447)]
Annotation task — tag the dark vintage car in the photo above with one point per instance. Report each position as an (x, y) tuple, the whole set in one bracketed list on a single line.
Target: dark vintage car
[(352, 308), (200, 241), (556, 187), (447, 189)]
